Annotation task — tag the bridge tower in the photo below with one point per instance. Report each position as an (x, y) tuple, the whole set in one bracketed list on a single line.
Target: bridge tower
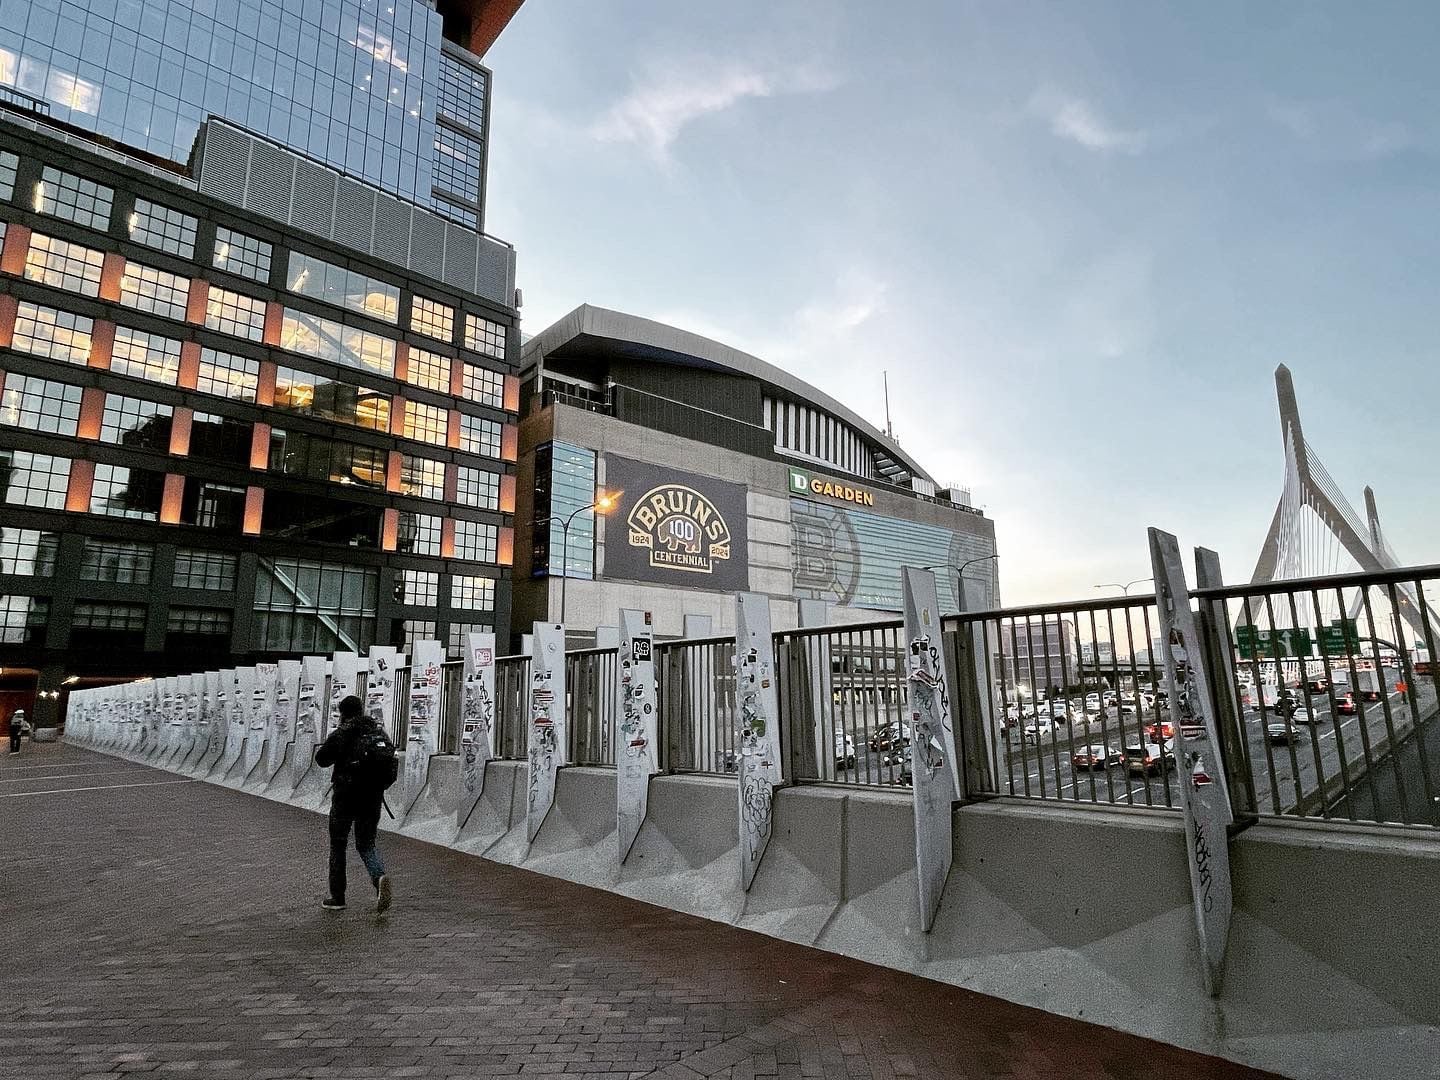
[(1316, 531)]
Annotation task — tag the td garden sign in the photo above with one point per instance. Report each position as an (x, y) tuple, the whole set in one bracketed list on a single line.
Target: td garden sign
[(675, 528), (802, 483)]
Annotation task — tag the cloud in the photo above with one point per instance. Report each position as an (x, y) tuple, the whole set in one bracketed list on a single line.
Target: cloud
[(668, 98), (1076, 120), (1337, 131)]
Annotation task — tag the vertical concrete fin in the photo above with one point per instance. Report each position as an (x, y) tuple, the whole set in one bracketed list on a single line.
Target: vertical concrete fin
[(477, 721), (636, 732), (1204, 793), (757, 727), (547, 737), (933, 768)]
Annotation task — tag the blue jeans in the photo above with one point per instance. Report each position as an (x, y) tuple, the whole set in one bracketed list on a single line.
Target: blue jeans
[(366, 820)]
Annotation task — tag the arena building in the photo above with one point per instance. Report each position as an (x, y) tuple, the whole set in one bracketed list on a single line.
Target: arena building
[(729, 474)]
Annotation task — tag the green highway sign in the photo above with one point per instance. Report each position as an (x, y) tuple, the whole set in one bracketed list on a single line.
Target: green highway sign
[(1255, 644), (1340, 638)]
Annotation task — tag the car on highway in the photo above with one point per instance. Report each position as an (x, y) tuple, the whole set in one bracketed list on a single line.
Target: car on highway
[(1096, 757), (1149, 760), (1060, 711), (890, 735), (1317, 685), (1163, 730), (1346, 705), (1283, 733), (900, 757), (1041, 727), (1302, 715), (1092, 703), (844, 750), (896, 756)]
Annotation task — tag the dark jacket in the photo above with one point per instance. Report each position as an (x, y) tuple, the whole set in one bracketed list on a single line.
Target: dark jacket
[(338, 750)]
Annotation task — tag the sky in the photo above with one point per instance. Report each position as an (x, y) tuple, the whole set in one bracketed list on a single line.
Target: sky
[(1078, 237)]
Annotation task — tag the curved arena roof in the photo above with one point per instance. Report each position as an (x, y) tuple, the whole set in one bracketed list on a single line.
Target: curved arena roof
[(633, 337)]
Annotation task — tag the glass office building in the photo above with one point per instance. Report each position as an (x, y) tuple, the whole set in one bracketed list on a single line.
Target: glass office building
[(369, 87), (258, 365)]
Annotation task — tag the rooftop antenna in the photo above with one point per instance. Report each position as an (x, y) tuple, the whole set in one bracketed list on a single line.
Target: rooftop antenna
[(889, 431)]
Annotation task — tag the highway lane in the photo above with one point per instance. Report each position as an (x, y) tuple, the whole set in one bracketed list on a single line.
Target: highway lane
[(1335, 749), (1331, 749)]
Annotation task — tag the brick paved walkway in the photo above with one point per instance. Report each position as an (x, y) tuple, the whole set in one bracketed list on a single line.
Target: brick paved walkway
[(174, 928)]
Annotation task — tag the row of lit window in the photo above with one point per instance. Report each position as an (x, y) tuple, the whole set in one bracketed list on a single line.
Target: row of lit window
[(62, 335), (85, 202), (75, 268), (421, 588), (42, 480), (45, 405)]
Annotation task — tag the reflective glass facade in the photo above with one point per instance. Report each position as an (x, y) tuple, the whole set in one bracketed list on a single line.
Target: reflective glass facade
[(220, 436), (854, 557), (353, 83), (564, 484)]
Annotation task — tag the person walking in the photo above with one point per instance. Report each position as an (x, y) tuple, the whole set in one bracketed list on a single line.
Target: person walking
[(17, 728), (365, 765)]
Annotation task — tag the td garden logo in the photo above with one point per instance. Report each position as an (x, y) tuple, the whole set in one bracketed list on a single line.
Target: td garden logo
[(682, 529)]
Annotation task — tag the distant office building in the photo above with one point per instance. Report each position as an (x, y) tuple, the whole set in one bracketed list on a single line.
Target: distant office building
[(257, 387), (1038, 654), (731, 475)]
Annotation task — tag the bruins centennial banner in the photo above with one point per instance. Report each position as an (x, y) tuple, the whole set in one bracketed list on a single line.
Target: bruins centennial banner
[(675, 528)]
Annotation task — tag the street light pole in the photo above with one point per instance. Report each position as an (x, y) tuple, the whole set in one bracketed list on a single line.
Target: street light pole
[(960, 575), (1126, 587), (1149, 645)]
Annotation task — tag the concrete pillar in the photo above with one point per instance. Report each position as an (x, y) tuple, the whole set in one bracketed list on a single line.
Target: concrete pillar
[(46, 712)]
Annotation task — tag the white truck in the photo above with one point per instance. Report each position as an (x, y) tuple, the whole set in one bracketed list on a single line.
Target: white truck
[(1367, 683)]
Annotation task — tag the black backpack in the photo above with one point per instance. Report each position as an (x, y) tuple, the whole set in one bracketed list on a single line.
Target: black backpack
[(372, 764)]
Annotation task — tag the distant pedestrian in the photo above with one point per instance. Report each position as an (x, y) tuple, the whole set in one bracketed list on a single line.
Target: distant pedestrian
[(17, 728), (365, 765)]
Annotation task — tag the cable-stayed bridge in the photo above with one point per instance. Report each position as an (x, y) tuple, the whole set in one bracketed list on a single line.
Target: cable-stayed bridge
[(1316, 531)]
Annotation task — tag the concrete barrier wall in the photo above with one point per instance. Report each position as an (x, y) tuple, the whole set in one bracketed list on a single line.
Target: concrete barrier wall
[(1080, 911)]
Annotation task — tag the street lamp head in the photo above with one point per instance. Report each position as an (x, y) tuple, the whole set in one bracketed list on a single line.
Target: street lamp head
[(607, 501), (979, 558)]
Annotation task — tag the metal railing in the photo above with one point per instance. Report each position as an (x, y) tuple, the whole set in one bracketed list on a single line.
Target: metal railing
[(512, 706), (842, 699), (1323, 711), (590, 708), (696, 692), (1331, 696), (1070, 699)]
